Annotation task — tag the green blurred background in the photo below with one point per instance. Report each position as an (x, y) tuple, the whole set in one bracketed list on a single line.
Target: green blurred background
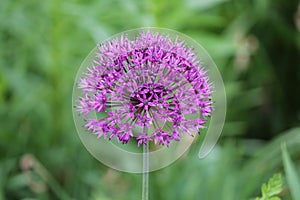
[(255, 44)]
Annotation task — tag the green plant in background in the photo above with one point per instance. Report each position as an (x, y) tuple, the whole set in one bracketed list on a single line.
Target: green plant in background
[(291, 174), (255, 44), (273, 188)]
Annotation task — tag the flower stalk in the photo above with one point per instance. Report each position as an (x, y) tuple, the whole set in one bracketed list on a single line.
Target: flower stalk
[(145, 185)]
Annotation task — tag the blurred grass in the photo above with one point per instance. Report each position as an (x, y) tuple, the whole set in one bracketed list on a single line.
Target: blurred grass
[(292, 176), (255, 44)]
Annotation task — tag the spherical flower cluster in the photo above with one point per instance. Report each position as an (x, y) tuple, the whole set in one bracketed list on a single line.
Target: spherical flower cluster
[(148, 83)]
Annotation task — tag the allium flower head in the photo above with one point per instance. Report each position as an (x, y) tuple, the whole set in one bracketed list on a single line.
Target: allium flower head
[(150, 82)]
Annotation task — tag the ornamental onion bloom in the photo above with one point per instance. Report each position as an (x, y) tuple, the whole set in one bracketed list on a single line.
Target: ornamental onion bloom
[(151, 82)]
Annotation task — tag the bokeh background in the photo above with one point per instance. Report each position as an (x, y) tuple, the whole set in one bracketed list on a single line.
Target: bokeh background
[(255, 44)]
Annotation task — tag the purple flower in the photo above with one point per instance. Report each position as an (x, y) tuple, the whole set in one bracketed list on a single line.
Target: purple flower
[(161, 137), (143, 139), (84, 105), (143, 120), (99, 102), (150, 81)]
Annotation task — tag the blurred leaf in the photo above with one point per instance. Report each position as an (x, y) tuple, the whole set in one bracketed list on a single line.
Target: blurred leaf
[(204, 4), (291, 173), (274, 187), (17, 182), (266, 160)]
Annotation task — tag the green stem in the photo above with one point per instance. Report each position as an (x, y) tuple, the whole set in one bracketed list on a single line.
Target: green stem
[(145, 187)]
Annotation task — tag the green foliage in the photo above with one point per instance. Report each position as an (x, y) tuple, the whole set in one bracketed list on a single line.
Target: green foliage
[(291, 174), (273, 188), (255, 44)]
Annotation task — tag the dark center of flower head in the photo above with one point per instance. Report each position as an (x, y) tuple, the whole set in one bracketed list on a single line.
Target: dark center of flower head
[(147, 85), (147, 96)]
